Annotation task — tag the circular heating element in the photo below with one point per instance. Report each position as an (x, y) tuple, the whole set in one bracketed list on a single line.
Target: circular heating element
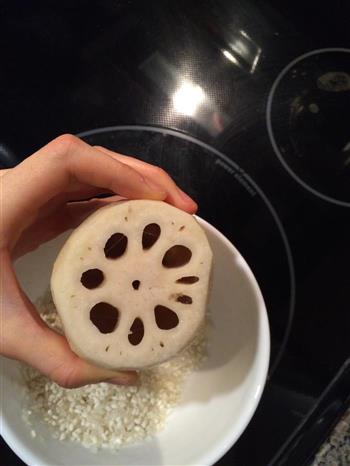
[(308, 117)]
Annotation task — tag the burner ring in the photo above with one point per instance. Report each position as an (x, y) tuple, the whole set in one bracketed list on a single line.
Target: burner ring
[(296, 145)]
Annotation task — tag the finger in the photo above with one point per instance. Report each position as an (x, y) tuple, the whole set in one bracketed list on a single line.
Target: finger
[(60, 200), (68, 370), (175, 195), (83, 194), (25, 337), (47, 227), (64, 164)]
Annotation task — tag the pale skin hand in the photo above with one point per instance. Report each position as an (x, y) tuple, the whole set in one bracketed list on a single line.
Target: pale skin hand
[(35, 207)]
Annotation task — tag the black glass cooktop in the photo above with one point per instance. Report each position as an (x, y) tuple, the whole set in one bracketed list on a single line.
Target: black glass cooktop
[(247, 105)]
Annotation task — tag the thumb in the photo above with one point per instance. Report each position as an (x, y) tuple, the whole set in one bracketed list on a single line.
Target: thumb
[(25, 337), (53, 357)]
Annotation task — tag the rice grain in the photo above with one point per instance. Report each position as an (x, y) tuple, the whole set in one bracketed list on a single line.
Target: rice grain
[(104, 415)]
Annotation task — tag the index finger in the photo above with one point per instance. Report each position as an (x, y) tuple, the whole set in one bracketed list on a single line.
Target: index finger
[(65, 164), (175, 195)]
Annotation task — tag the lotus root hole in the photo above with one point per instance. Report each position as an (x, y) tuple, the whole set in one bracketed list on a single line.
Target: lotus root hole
[(150, 235), (137, 332), (166, 319), (184, 299), (105, 317), (116, 246), (136, 284), (177, 256), (188, 280), (92, 278)]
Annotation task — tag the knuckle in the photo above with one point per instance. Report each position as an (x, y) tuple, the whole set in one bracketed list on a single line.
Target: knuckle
[(64, 144), (64, 376), (159, 171), (64, 382), (163, 175)]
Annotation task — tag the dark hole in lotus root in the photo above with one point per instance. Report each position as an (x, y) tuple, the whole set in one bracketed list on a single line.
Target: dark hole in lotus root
[(136, 284), (92, 278), (177, 256), (104, 316), (188, 280), (150, 235), (184, 299), (166, 319), (137, 332), (116, 246)]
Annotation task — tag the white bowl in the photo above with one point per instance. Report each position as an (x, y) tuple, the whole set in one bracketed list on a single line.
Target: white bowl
[(218, 400)]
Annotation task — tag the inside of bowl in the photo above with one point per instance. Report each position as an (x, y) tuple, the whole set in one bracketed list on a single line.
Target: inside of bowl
[(218, 400)]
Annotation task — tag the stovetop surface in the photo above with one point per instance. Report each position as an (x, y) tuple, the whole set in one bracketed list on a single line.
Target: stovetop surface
[(247, 105)]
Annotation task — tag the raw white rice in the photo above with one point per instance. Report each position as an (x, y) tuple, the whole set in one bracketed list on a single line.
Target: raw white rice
[(104, 415)]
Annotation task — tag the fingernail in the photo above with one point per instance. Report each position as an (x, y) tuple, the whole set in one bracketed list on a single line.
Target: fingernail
[(118, 381), (130, 379)]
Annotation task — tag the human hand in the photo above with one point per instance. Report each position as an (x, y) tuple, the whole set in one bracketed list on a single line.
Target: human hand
[(36, 206)]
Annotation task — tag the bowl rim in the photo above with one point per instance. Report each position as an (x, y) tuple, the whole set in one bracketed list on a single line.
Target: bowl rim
[(261, 365), (261, 361)]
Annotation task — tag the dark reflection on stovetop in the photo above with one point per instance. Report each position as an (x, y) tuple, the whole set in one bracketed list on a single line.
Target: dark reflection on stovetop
[(136, 62), (308, 117)]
